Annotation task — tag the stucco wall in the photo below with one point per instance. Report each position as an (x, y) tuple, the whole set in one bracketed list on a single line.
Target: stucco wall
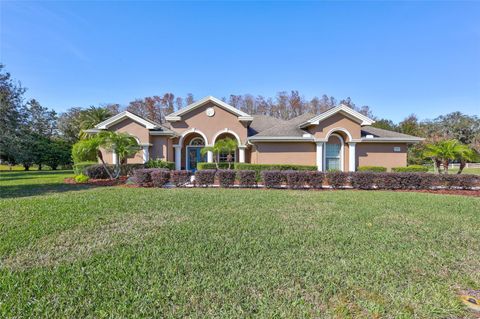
[(133, 128), (284, 153), (381, 154), (210, 126), (160, 148), (338, 120)]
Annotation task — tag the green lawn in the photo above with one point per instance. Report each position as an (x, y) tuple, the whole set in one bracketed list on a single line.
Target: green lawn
[(203, 253)]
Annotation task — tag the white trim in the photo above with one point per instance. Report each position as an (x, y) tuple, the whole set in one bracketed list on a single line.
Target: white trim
[(364, 120), (339, 129), (280, 139), (192, 130), (209, 157), (228, 131), (351, 156), (146, 154), (92, 130), (342, 149), (197, 138), (391, 140), (121, 116), (319, 155), (178, 157), (114, 158), (176, 116), (241, 154), (162, 133)]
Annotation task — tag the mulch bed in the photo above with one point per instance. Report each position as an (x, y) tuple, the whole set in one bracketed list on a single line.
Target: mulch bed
[(121, 182), (99, 182)]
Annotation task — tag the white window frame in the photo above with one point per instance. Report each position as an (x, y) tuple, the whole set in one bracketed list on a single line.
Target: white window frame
[(342, 148), (235, 157)]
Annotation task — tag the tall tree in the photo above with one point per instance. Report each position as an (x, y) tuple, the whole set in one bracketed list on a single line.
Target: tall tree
[(12, 112), (40, 120), (70, 124), (189, 99), (91, 117)]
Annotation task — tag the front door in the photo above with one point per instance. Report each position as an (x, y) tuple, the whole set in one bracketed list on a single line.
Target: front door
[(194, 156)]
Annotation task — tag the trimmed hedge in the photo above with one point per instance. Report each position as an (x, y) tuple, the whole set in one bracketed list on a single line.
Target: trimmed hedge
[(296, 179), (205, 165), (205, 177), (160, 177), (97, 171), (128, 169), (337, 179), (378, 169), (158, 163), (364, 180), (259, 168), (273, 179), (315, 179), (226, 177), (143, 176), (179, 178), (410, 169), (247, 178), (79, 168)]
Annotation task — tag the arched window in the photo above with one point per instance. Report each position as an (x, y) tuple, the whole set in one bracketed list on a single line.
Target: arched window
[(333, 153), (197, 141)]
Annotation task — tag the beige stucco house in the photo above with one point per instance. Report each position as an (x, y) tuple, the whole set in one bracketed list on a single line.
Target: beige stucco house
[(339, 138)]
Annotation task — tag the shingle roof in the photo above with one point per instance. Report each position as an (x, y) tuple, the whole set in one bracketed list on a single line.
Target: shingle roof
[(287, 128), (262, 122), (381, 133)]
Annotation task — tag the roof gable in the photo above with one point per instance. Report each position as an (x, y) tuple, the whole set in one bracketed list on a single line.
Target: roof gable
[(124, 115), (177, 116), (345, 110)]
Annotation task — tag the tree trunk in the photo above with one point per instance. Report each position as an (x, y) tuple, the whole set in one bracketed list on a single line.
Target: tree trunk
[(100, 156), (26, 167), (437, 164), (463, 163), (40, 167), (445, 166)]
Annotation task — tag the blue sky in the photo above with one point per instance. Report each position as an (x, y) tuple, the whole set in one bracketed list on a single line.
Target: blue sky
[(397, 57)]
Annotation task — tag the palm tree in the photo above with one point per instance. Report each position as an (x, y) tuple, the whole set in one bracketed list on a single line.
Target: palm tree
[(123, 144), (91, 117), (224, 146), (466, 155), (442, 152)]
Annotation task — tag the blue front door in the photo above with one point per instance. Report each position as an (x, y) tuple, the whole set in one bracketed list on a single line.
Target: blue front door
[(194, 156)]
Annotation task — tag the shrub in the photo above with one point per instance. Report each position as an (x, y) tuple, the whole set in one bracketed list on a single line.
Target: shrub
[(98, 171), (205, 165), (81, 178), (143, 176), (179, 178), (259, 168), (158, 163), (226, 177), (410, 169), (247, 178), (205, 177), (272, 179), (337, 179), (378, 169), (296, 179), (160, 177), (364, 180), (405, 181), (464, 181), (79, 168), (128, 169), (315, 179)]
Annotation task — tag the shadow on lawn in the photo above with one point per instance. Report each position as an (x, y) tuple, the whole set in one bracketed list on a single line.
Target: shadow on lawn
[(24, 190)]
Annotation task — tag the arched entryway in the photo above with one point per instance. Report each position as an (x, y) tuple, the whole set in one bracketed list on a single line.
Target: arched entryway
[(336, 152), (188, 150), (238, 155)]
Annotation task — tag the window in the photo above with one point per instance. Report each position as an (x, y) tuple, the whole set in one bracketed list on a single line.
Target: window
[(223, 157), (333, 156), (197, 141)]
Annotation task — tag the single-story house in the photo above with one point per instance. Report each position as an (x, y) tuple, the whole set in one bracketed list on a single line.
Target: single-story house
[(340, 138)]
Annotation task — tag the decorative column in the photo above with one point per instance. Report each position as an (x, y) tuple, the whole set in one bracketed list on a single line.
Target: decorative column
[(114, 158), (146, 154), (320, 156), (209, 156), (351, 156), (241, 153), (178, 157)]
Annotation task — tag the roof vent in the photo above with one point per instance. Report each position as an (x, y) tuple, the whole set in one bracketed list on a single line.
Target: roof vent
[(369, 136)]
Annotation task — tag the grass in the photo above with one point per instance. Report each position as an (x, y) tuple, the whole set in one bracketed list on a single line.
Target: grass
[(131, 252)]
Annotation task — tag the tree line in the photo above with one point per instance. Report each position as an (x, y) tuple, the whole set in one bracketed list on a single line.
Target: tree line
[(33, 134)]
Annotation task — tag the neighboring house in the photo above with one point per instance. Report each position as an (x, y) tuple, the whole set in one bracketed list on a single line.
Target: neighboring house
[(340, 138)]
